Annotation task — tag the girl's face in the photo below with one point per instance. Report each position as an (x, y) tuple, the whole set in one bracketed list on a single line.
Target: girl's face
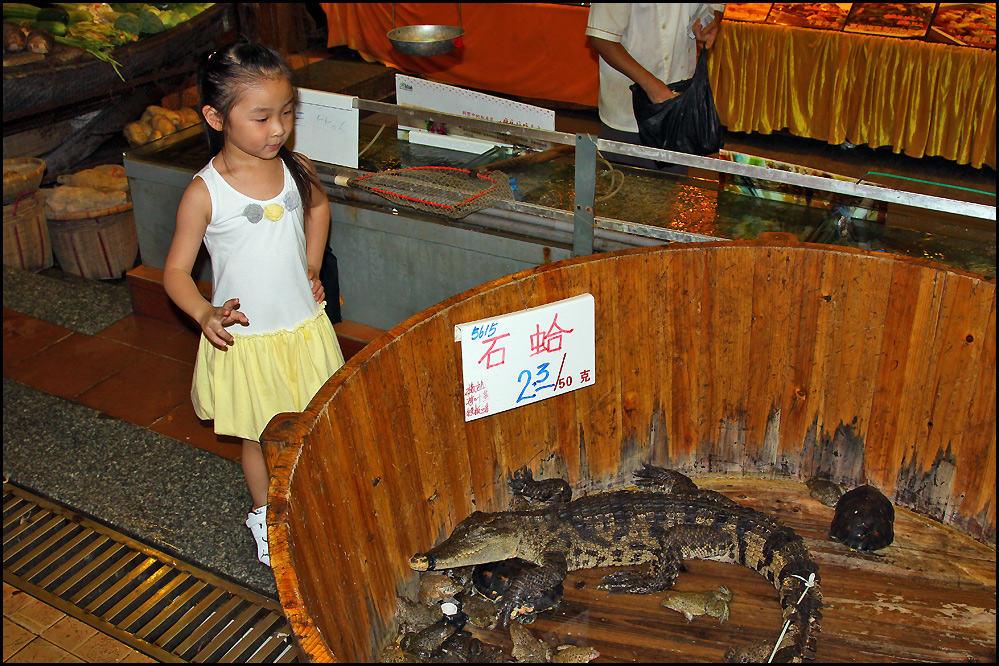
[(261, 120)]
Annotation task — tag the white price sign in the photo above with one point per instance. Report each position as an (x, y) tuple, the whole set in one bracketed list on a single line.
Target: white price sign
[(523, 357), (326, 127)]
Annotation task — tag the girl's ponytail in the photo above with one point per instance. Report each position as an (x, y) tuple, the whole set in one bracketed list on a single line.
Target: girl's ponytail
[(303, 178)]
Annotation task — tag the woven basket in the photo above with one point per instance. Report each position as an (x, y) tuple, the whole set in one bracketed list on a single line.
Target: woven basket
[(26, 241), (102, 246), (21, 174)]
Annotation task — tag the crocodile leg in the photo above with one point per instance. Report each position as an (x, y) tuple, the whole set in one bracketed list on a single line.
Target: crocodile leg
[(539, 493), (675, 546), (660, 479), (529, 589), (669, 481)]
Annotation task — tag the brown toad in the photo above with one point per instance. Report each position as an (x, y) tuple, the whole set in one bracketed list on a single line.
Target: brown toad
[(694, 604)]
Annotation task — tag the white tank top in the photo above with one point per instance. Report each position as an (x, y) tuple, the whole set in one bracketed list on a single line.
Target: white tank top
[(258, 255)]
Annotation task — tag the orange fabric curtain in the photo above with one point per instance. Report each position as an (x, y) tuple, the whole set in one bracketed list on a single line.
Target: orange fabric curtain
[(529, 50), (919, 98)]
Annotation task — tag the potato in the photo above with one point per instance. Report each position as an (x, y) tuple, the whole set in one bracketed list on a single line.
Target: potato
[(136, 134), (170, 114), (189, 116), (163, 125)]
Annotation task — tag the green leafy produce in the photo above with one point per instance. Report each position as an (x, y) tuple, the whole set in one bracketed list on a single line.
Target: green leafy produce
[(99, 29), (98, 39), (151, 23), (129, 23)]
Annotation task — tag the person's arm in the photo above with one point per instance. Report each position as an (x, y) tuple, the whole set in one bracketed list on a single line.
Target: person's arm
[(192, 221), (618, 57), (317, 229)]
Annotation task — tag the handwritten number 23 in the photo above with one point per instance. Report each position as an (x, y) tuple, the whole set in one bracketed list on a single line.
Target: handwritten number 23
[(543, 375)]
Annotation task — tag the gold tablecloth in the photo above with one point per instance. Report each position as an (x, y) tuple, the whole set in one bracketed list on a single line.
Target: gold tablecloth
[(919, 98)]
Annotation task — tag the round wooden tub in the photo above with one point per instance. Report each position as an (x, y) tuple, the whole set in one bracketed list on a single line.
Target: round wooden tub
[(750, 366)]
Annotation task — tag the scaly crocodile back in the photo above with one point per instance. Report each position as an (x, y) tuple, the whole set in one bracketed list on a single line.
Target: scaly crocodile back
[(627, 527)]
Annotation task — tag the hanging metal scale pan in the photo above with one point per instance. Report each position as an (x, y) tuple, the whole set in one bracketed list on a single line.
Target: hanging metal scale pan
[(425, 40)]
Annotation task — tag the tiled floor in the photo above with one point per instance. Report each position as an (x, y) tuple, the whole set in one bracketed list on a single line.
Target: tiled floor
[(148, 360), (34, 632), (152, 363)]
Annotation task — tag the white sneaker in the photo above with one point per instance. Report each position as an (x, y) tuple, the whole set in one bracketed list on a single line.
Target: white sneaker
[(257, 522)]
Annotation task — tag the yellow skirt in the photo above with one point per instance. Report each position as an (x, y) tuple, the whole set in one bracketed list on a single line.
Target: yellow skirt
[(258, 376)]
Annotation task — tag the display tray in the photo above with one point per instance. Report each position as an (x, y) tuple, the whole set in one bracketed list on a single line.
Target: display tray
[(61, 86), (691, 204)]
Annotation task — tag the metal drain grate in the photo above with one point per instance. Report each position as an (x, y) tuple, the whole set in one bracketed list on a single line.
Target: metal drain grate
[(158, 605)]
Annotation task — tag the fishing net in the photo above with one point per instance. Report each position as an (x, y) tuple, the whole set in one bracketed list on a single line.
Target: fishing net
[(447, 191)]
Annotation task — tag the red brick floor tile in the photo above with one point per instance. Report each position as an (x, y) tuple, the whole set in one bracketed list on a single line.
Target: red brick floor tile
[(73, 365), (142, 332), (159, 337), (143, 391), (24, 336), (182, 347), (184, 425)]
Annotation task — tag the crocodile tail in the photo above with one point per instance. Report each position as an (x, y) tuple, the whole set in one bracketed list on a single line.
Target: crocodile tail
[(801, 602), (784, 559)]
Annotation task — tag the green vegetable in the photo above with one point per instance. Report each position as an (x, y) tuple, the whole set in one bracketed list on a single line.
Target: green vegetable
[(57, 28), (128, 7), (52, 14), (151, 23), (97, 50), (79, 16), (17, 10), (129, 23), (171, 18)]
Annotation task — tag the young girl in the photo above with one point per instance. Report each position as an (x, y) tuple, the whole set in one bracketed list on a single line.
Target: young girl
[(268, 345)]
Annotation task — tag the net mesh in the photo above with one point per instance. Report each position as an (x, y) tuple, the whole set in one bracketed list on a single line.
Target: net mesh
[(447, 191)]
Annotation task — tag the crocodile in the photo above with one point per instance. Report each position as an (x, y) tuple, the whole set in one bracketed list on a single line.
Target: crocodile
[(665, 520)]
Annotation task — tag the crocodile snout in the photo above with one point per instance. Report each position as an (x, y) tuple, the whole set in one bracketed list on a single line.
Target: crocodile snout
[(421, 563)]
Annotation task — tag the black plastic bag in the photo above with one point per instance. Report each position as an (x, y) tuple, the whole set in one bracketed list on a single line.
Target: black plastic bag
[(329, 275), (687, 123)]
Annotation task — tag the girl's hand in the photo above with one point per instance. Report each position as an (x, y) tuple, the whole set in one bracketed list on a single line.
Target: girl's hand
[(217, 319), (318, 292)]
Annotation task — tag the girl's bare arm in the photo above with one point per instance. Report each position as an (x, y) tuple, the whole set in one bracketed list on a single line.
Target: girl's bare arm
[(317, 228), (193, 214)]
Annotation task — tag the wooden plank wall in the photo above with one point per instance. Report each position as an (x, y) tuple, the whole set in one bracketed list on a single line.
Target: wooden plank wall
[(759, 359)]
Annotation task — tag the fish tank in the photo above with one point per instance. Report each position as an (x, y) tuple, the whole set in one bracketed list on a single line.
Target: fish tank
[(704, 204), (696, 206)]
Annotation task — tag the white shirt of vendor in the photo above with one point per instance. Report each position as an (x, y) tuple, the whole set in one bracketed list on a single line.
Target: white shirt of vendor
[(657, 35)]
